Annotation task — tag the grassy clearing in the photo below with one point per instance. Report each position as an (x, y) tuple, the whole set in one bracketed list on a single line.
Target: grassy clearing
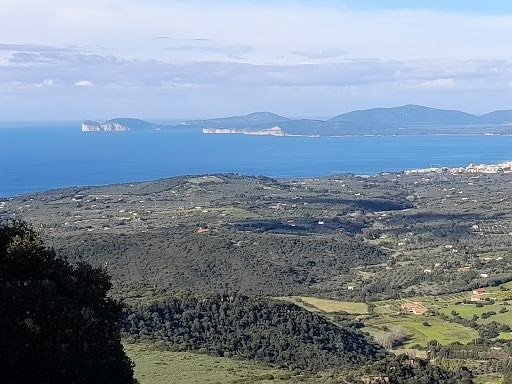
[(164, 367), (488, 379), (333, 306), (505, 336), (468, 310), (205, 180), (445, 333), (385, 315), (300, 303)]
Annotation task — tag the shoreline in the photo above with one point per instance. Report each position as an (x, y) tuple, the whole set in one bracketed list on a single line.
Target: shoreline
[(362, 136), (503, 167)]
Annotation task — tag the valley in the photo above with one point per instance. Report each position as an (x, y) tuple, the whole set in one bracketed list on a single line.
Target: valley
[(359, 252)]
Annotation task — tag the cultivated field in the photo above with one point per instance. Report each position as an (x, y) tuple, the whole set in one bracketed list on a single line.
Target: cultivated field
[(420, 334), (331, 306)]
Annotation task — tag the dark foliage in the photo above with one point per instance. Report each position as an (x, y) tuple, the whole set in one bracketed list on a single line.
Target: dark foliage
[(404, 370), (257, 329), (280, 237), (300, 227), (258, 264), (56, 323)]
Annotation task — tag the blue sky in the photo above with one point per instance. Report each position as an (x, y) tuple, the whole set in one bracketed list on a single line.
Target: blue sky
[(460, 6), (186, 59), (466, 6)]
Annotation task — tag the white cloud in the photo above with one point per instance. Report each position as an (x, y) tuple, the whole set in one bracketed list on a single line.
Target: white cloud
[(225, 54), (45, 83), (98, 70), (26, 85), (84, 83), (128, 28), (438, 84), (231, 51)]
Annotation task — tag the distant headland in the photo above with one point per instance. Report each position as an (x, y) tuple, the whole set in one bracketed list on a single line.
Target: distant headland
[(404, 120)]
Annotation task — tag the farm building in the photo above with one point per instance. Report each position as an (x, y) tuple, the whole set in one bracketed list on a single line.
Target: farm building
[(478, 295), (414, 308)]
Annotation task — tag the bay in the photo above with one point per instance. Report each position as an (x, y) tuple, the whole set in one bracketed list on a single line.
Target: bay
[(44, 155)]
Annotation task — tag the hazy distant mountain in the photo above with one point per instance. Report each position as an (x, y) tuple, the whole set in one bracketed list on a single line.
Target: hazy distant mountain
[(250, 120), (407, 119), (133, 124), (409, 115), (498, 117), (331, 128)]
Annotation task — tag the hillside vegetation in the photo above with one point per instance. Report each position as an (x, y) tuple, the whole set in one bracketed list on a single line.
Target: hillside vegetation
[(386, 237), (272, 332), (57, 324)]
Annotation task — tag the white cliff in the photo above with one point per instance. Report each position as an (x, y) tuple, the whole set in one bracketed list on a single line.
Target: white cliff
[(274, 131), (93, 126)]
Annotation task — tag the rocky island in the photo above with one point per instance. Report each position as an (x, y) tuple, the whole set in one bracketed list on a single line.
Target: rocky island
[(118, 125)]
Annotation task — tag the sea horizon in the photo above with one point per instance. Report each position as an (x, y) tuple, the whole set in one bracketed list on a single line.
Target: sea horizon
[(47, 155)]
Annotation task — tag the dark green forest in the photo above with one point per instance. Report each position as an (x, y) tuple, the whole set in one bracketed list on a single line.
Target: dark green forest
[(234, 325), (58, 325), (257, 264), (404, 370)]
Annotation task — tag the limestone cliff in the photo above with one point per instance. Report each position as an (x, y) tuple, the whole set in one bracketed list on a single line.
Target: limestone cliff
[(274, 131)]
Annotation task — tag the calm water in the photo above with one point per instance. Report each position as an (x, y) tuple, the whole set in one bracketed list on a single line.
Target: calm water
[(41, 156)]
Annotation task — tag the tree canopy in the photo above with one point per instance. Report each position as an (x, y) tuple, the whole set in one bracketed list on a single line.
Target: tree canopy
[(57, 324)]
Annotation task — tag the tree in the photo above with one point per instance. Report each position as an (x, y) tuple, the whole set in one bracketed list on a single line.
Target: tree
[(392, 339), (57, 324)]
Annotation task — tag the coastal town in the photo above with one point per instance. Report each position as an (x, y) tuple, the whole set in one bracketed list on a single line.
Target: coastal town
[(504, 167)]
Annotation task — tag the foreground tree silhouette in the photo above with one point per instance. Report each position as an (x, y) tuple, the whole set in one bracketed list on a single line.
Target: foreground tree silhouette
[(57, 324)]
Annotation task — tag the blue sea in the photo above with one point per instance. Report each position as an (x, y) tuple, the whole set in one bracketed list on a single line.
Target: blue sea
[(42, 156)]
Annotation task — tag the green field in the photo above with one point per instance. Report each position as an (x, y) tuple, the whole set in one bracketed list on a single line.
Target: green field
[(494, 293), (165, 367), (388, 307), (468, 310), (505, 336), (331, 306), (386, 318), (443, 332)]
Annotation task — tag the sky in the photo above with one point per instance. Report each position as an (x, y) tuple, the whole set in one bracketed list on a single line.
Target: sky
[(99, 59)]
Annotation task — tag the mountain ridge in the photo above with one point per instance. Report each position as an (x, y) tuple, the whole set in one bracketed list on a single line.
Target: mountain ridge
[(409, 114), (406, 119)]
